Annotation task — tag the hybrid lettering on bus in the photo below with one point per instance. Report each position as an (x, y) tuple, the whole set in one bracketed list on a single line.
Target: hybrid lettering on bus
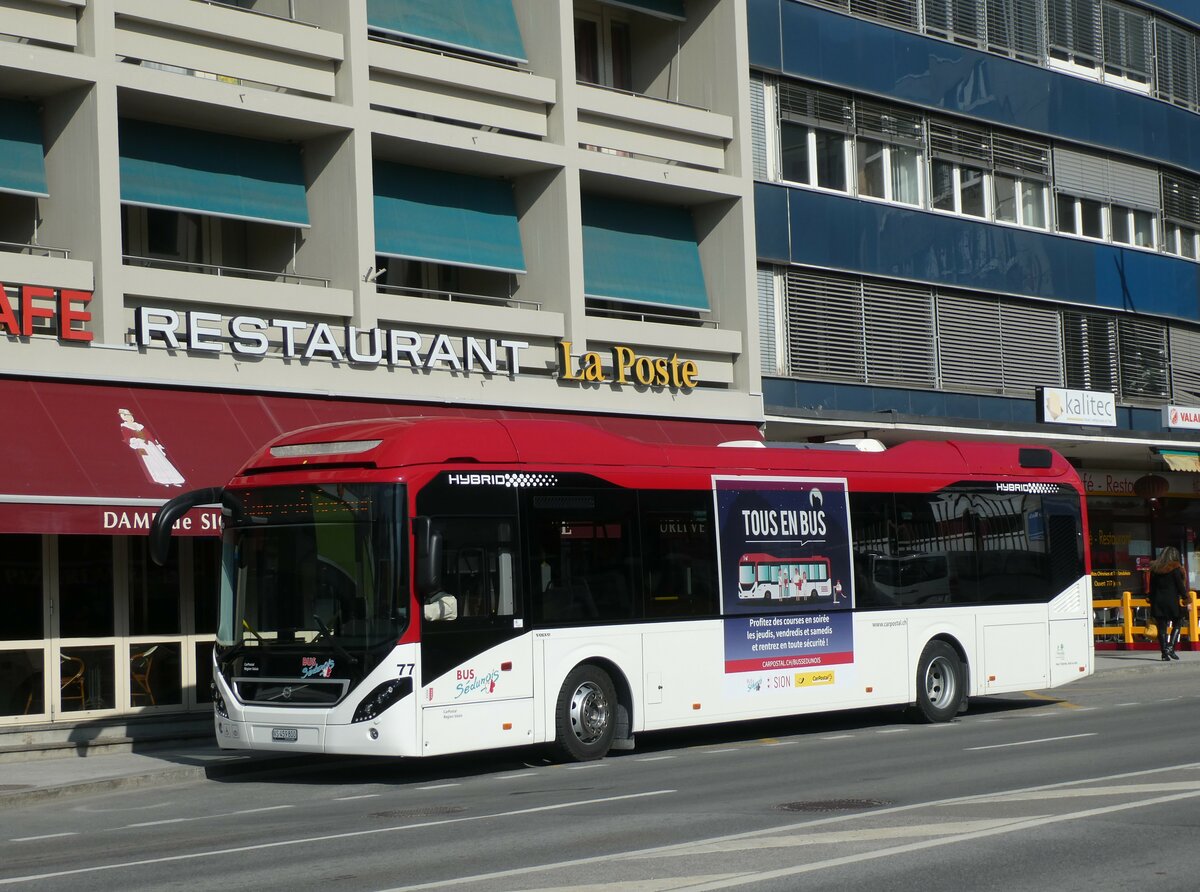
[(426, 586)]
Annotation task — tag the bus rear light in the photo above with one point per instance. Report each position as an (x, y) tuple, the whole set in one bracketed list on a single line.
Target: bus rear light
[(695, 706), (870, 690), (506, 666), (381, 698), (507, 726), (991, 678)]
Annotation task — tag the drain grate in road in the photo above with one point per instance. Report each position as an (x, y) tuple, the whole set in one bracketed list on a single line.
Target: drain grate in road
[(430, 811), (833, 804)]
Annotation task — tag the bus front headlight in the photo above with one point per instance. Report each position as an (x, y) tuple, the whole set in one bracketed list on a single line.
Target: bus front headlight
[(381, 698)]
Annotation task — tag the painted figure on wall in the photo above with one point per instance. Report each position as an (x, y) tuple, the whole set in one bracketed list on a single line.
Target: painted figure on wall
[(151, 452)]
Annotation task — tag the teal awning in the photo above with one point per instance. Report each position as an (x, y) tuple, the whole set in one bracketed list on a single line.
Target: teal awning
[(22, 159), (487, 27), (641, 253), (212, 173), (664, 9), (452, 218)]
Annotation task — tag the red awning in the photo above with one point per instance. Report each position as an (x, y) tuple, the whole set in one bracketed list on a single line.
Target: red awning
[(96, 458)]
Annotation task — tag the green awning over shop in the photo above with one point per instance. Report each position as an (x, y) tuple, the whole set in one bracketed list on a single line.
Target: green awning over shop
[(641, 253), (22, 158), (198, 171), (488, 27), (664, 9), (442, 217)]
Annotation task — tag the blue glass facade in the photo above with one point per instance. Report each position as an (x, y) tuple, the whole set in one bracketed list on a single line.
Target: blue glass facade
[(823, 230)]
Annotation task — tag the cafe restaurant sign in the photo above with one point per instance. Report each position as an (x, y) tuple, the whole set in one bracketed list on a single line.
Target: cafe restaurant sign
[(39, 310)]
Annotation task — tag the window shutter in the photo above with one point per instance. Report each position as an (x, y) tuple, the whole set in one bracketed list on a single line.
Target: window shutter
[(1133, 184), (899, 334), (969, 342), (1185, 365), (1023, 157), (1090, 351), (825, 327), (1015, 28), (767, 334), (958, 142), (1128, 43), (1142, 348), (807, 106), (1176, 64), (758, 127), (962, 21), (890, 124), (1181, 199), (902, 13), (843, 5), (1081, 173), (1031, 348)]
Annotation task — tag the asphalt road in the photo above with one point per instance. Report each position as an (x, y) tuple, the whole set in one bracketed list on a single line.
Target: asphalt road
[(1095, 786)]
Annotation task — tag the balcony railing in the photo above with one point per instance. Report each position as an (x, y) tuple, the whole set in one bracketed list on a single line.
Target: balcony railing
[(38, 250), (212, 269), (459, 297), (290, 17), (612, 312)]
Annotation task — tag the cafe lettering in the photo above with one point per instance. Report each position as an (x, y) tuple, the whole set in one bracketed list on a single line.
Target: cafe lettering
[(59, 308)]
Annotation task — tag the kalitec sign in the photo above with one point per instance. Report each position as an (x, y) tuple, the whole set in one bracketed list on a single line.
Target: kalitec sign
[(1057, 405)]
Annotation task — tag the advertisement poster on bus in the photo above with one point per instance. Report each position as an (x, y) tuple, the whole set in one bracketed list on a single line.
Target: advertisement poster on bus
[(787, 585)]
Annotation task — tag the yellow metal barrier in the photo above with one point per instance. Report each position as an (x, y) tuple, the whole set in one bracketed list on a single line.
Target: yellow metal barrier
[(1127, 630)]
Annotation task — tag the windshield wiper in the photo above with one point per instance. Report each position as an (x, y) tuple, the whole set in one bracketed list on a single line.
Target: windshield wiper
[(337, 648)]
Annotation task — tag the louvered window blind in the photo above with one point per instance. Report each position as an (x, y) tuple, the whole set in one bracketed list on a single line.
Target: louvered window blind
[(1105, 179), (807, 106), (1144, 370), (958, 142), (1185, 365), (902, 13), (1181, 199), (1175, 64), (1016, 28), (1128, 42), (997, 345), (1090, 351), (889, 124), (758, 126), (963, 21), (1020, 156), (767, 332), (1074, 30), (842, 328)]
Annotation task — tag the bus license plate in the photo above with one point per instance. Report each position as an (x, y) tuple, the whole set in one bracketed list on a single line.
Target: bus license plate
[(284, 734)]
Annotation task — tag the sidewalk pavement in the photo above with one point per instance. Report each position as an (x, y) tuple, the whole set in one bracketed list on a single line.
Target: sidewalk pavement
[(40, 780)]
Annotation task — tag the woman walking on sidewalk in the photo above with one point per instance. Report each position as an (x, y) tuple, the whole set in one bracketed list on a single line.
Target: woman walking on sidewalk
[(1167, 591)]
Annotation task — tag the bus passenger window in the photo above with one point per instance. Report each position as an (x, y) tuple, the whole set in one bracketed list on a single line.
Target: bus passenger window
[(678, 551), (581, 552), (475, 578)]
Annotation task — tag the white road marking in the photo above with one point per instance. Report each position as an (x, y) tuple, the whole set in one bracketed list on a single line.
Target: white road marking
[(1128, 704), (309, 840), (155, 823), (839, 737), (352, 798), (588, 765), (439, 786), (728, 749), (754, 836), (255, 811), (662, 884), (1106, 790), (781, 743), (996, 746), (516, 776), (653, 758), (46, 836), (891, 730)]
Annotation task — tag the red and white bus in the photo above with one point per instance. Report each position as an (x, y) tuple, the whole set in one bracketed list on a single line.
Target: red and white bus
[(766, 577), (428, 586)]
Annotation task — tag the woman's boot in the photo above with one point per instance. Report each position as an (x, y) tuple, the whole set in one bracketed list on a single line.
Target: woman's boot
[(1173, 641), (1162, 643)]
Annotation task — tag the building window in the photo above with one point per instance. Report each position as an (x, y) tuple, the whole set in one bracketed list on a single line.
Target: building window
[(961, 21), (1074, 29), (1181, 213), (1128, 44), (814, 137), (889, 151), (1175, 64), (1017, 28), (1081, 216), (960, 158), (603, 48)]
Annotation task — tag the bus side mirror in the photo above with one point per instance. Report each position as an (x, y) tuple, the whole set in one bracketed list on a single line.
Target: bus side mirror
[(429, 556), (160, 529)]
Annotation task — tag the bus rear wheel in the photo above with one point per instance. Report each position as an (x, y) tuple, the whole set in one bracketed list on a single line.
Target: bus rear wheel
[(940, 682), (585, 715)]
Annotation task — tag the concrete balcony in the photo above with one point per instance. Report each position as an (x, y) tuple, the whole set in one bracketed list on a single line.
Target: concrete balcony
[(459, 90), (44, 267), (289, 296), (53, 22), (232, 45), (629, 124)]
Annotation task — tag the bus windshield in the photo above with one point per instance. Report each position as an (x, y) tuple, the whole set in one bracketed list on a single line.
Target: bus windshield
[(317, 566)]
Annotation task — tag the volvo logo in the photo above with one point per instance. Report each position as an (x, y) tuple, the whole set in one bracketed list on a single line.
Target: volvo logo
[(286, 693)]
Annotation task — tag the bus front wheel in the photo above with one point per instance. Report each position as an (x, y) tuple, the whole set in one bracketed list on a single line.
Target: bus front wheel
[(940, 682), (586, 714)]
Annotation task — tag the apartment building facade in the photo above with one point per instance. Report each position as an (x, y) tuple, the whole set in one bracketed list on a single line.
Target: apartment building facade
[(223, 220)]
